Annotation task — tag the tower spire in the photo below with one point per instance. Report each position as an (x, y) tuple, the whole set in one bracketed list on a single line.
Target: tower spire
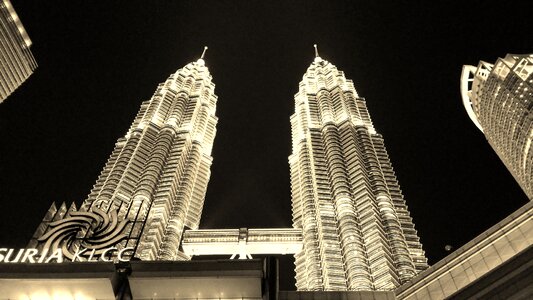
[(201, 61), (203, 53), (318, 59)]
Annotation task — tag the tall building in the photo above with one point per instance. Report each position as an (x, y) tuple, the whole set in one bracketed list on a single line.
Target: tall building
[(357, 232), (154, 183), (16, 61), (499, 100)]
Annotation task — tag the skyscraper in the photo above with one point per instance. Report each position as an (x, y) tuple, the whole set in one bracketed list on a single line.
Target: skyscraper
[(357, 232), (154, 183), (499, 100), (16, 61)]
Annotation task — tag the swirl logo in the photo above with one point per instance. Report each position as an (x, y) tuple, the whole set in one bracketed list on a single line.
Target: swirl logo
[(94, 231)]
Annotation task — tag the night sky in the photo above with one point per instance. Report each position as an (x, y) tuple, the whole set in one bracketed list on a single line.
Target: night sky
[(99, 60)]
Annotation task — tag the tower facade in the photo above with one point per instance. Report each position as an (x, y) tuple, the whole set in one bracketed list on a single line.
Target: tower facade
[(499, 100), (16, 61), (154, 183), (357, 232)]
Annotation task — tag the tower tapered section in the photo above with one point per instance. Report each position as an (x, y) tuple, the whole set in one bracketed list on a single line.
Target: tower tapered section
[(357, 232), (156, 177), (16, 61)]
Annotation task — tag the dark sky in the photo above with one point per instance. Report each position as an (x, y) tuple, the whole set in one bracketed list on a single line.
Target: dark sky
[(98, 60)]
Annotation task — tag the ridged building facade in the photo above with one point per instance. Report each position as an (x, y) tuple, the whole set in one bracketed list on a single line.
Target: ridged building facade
[(357, 232), (16, 60), (499, 100), (153, 186)]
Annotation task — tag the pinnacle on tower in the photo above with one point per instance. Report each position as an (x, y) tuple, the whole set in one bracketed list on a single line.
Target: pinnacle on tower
[(317, 57), (201, 60), (203, 53)]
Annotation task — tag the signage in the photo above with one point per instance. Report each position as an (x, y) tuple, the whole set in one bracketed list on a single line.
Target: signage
[(86, 236), (9, 255)]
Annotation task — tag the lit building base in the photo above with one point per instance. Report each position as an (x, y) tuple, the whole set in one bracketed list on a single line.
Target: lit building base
[(78, 281), (215, 279), (234, 279)]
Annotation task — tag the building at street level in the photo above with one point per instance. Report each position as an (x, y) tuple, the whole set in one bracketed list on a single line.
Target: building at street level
[(357, 232), (154, 183), (499, 100), (16, 61)]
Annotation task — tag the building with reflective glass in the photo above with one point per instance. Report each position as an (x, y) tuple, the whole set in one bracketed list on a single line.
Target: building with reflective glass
[(356, 229), (16, 60), (499, 100), (153, 184)]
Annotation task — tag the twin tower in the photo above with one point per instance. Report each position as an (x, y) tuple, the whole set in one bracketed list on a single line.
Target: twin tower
[(350, 219)]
